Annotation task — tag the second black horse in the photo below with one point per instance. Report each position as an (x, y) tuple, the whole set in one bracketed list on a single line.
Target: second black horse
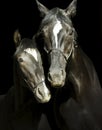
[(77, 98)]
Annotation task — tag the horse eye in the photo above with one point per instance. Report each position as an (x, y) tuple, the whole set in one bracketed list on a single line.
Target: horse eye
[(20, 59)]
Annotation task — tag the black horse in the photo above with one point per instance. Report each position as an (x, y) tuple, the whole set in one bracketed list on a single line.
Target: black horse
[(21, 108), (78, 97)]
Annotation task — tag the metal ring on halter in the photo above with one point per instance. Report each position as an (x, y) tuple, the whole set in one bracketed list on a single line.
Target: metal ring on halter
[(40, 83)]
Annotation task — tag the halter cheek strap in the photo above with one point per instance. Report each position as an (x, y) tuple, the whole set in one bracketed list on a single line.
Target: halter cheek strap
[(67, 56)]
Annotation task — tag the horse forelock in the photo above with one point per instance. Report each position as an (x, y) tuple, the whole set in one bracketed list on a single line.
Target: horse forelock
[(56, 13)]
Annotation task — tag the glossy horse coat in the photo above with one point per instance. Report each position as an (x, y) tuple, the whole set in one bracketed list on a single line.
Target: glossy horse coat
[(22, 107), (77, 104)]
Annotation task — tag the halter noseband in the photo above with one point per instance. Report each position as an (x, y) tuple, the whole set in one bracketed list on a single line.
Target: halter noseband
[(35, 85), (58, 50), (65, 57)]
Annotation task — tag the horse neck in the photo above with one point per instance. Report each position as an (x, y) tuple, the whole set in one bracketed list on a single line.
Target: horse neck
[(21, 92), (82, 73), (85, 82)]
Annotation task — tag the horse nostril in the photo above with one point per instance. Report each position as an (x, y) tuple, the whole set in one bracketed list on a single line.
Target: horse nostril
[(62, 72), (49, 76), (39, 91)]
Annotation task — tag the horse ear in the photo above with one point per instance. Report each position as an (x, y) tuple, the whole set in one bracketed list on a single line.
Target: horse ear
[(71, 9), (43, 10), (17, 38)]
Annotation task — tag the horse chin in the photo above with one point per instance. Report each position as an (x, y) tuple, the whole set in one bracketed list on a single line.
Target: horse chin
[(57, 84), (42, 100)]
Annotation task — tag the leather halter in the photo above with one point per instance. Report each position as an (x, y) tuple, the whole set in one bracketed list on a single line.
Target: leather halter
[(35, 86), (62, 53), (58, 50), (27, 82)]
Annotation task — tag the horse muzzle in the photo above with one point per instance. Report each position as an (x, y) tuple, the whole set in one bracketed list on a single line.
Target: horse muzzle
[(42, 93), (57, 78)]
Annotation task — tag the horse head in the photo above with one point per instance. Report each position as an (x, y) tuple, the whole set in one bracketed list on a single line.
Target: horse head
[(58, 35), (28, 68)]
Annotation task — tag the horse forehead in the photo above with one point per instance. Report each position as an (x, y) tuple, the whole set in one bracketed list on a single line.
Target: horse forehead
[(57, 27), (56, 30), (32, 52)]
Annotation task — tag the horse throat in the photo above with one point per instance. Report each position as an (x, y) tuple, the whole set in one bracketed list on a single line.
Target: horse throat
[(22, 94)]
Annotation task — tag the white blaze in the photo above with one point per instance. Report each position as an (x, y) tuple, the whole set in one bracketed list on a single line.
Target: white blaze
[(47, 95), (32, 52), (44, 85), (45, 88), (56, 30)]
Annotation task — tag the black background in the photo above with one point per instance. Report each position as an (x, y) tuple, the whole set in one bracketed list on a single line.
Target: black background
[(24, 15)]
